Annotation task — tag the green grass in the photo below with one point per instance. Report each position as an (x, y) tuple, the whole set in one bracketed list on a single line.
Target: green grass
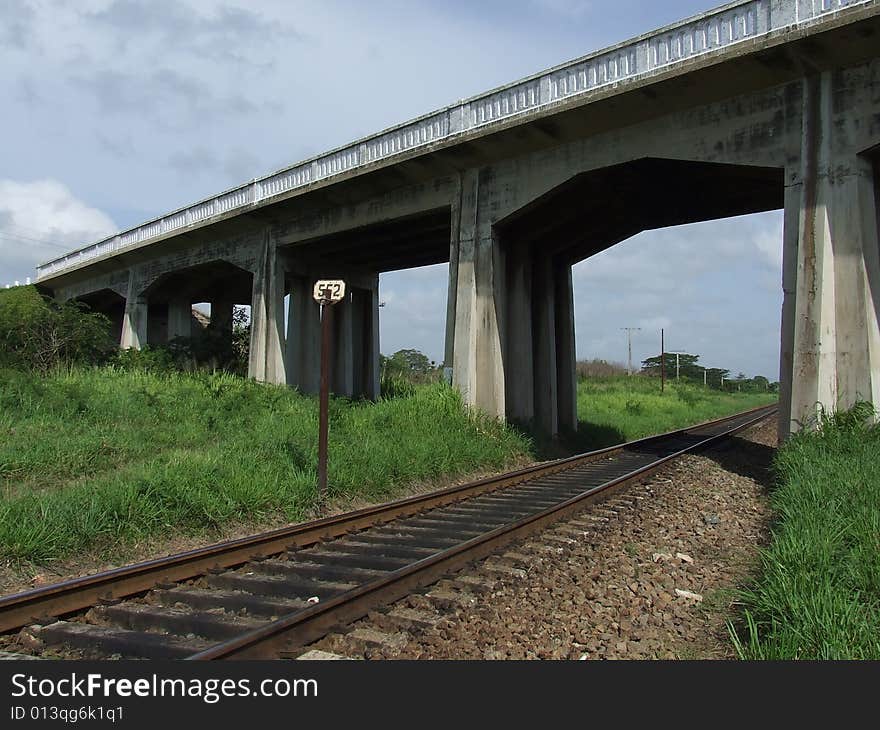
[(616, 409), (818, 594), (102, 456), (93, 459)]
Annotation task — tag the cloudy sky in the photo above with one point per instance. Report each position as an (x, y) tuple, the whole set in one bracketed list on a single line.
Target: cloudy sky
[(115, 111)]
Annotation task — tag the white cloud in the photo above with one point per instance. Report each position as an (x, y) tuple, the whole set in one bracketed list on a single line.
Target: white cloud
[(41, 220)]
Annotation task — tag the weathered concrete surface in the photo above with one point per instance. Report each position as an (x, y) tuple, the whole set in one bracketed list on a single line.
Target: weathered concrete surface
[(267, 361), (830, 332), (304, 338)]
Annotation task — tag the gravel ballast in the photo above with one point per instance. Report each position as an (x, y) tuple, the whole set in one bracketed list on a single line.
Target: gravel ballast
[(649, 574)]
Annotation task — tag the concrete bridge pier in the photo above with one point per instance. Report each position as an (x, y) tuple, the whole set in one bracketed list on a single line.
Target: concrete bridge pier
[(303, 351), (134, 320), (478, 363), (539, 343), (831, 269), (514, 348), (222, 315), (179, 318), (267, 362), (566, 355), (355, 337), (355, 371)]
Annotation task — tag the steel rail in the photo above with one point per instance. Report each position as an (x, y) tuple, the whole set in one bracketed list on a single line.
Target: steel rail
[(310, 624), (66, 597)]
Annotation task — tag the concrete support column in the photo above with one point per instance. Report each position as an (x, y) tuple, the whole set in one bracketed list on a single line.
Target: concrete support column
[(566, 378), (544, 340), (355, 339), (519, 354), (134, 320), (179, 318), (539, 350), (854, 243), (365, 340), (342, 374), (452, 287), (831, 267), (221, 315), (478, 368), (790, 238), (304, 338), (266, 362)]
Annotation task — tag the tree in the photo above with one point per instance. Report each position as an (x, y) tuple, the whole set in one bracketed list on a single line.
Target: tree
[(687, 366), (408, 361), (715, 376)]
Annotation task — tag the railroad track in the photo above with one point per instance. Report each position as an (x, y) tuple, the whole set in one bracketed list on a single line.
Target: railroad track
[(267, 595)]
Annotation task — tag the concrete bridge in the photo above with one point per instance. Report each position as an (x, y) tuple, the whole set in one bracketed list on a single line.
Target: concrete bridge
[(759, 105)]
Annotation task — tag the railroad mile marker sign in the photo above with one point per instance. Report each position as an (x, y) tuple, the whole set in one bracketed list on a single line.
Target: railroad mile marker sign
[(329, 291)]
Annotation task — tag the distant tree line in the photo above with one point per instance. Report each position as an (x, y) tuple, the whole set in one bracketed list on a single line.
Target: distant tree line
[(688, 370), (598, 369), (685, 366)]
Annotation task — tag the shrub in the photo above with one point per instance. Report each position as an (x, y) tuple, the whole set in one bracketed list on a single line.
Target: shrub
[(38, 333), (396, 385), (148, 359)]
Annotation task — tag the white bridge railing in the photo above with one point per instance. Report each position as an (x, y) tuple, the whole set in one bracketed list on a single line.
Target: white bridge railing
[(722, 28)]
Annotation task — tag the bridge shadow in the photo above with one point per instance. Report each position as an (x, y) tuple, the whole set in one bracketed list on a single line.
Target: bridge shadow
[(736, 455), (588, 437), (745, 458)]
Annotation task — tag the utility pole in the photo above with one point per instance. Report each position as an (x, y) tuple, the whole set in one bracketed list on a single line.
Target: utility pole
[(676, 353), (704, 377), (629, 342), (662, 361)]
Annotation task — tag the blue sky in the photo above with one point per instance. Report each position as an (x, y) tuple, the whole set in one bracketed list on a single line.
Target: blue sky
[(119, 110)]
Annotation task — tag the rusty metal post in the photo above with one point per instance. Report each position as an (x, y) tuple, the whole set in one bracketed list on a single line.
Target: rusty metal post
[(324, 399), (662, 361)]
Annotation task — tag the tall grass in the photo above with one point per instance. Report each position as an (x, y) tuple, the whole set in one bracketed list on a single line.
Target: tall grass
[(622, 408), (98, 456), (818, 595), (93, 457)]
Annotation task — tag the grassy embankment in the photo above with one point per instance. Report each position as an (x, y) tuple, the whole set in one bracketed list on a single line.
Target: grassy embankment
[(618, 409), (97, 459), (96, 456), (818, 595)]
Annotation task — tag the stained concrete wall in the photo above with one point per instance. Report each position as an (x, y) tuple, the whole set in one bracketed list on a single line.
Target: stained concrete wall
[(830, 335)]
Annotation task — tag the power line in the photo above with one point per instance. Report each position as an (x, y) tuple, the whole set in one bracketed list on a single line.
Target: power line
[(18, 233), (15, 238)]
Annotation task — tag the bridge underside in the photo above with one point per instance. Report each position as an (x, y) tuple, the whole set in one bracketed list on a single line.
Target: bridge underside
[(585, 215), (511, 220), (111, 305)]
